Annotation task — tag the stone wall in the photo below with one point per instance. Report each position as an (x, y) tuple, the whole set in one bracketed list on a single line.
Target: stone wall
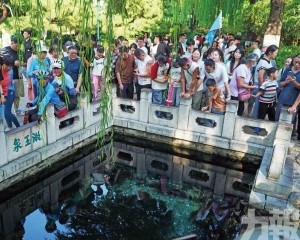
[(28, 146)]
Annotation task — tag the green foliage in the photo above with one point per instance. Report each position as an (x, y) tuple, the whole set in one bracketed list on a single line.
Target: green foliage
[(284, 53)]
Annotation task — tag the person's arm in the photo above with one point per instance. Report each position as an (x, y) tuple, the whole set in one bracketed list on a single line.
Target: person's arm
[(227, 89), (194, 81), (79, 82), (32, 68), (242, 84), (225, 79), (118, 75), (261, 74), (210, 105), (258, 94), (79, 79), (293, 108), (67, 81), (183, 83), (293, 81), (2, 98), (49, 92)]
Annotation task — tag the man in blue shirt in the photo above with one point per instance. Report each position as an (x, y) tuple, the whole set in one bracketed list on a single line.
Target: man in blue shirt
[(73, 67), (290, 84)]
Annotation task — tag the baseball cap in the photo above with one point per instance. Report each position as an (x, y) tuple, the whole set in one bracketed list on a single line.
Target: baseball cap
[(68, 44), (42, 74), (56, 64)]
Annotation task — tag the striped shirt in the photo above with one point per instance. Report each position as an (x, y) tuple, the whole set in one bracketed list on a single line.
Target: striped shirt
[(269, 89)]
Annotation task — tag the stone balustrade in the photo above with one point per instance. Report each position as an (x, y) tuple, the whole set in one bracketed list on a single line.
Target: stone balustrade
[(227, 131), (28, 145)]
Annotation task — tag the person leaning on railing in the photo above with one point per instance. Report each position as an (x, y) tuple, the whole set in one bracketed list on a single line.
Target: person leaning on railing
[(50, 95), (7, 91)]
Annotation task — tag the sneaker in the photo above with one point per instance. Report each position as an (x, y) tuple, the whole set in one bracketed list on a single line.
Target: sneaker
[(19, 112), (8, 129)]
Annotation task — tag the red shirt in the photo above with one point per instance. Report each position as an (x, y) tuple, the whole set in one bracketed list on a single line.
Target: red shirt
[(5, 82)]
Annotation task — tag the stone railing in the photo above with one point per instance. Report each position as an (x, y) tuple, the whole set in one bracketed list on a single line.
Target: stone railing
[(31, 145), (227, 131), (28, 145), (31, 137)]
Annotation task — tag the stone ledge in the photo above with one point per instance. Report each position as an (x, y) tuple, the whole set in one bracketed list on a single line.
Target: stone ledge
[(250, 148), (277, 162), (281, 189), (214, 141), (163, 131), (137, 125), (275, 203), (187, 135), (257, 200), (121, 122), (17, 166)]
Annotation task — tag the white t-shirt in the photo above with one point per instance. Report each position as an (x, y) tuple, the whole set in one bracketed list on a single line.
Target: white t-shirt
[(257, 52), (145, 50), (98, 66), (142, 68), (188, 55), (262, 64), (219, 74), (160, 75), (241, 71), (176, 76), (189, 75)]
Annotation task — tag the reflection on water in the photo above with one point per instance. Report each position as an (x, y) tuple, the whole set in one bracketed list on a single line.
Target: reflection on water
[(95, 200)]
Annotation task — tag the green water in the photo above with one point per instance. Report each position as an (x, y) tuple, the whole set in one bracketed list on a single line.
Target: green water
[(139, 209)]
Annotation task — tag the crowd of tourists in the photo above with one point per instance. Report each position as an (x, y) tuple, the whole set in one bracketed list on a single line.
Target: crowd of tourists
[(209, 75)]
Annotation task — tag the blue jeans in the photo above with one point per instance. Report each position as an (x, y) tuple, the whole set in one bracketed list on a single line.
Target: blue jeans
[(1, 111), (157, 97), (213, 110), (9, 117), (127, 91), (176, 96), (35, 85), (24, 72), (256, 103)]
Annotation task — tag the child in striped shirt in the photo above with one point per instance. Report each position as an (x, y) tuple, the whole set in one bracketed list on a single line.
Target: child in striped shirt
[(268, 95)]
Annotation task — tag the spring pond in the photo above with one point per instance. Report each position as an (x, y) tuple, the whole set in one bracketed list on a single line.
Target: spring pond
[(144, 194)]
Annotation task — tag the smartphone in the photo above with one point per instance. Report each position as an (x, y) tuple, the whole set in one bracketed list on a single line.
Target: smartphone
[(290, 73)]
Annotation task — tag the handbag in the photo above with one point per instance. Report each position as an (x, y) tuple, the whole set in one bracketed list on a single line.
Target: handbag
[(60, 110), (244, 96)]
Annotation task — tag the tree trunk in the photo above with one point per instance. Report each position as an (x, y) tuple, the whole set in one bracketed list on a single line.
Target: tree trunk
[(274, 24)]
